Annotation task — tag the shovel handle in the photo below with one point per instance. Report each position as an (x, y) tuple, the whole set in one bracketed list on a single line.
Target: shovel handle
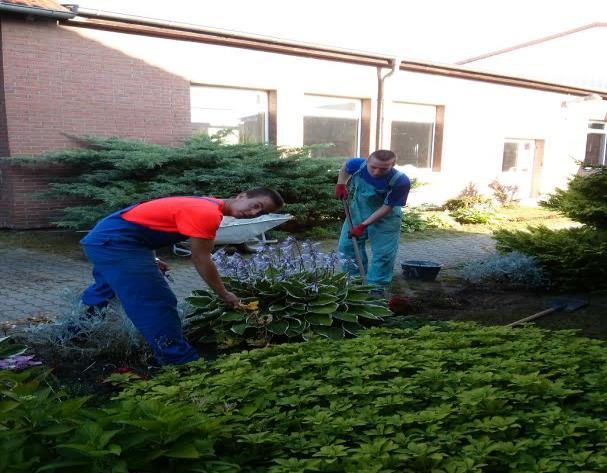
[(359, 260), (534, 316)]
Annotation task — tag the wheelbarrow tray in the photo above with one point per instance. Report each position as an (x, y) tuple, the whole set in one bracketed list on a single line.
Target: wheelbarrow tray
[(234, 231)]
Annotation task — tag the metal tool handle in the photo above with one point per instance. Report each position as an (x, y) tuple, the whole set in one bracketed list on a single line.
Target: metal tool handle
[(359, 260)]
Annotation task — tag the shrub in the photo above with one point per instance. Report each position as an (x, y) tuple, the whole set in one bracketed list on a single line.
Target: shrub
[(448, 398), (512, 270), (413, 220), (466, 202), (503, 193), (114, 173), (293, 293), (474, 215), (574, 258), (75, 335), (584, 200)]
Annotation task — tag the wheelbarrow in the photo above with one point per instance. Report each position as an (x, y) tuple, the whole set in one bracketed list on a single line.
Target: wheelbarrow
[(240, 231)]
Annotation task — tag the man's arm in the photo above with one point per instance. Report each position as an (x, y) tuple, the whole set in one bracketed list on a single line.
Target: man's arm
[(343, 176), (201, 257), (377, 215)]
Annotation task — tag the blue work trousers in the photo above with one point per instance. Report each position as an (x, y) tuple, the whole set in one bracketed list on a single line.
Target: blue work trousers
[(133, 275)]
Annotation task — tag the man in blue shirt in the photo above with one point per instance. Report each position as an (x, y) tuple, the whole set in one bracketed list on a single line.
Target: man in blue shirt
[(376, 192)]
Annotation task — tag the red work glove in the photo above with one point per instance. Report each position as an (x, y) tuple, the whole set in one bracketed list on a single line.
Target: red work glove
[(357, 231), (341, 191)]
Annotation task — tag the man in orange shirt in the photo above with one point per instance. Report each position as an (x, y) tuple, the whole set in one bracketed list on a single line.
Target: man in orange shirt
[(121, 248)]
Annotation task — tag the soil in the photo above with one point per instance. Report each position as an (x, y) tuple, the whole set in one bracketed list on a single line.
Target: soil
[(456, 300)]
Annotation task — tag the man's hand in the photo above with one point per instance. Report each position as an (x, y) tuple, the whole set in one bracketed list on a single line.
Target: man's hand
[(162, 266), (230, 299), (357, 231), (341, 191)]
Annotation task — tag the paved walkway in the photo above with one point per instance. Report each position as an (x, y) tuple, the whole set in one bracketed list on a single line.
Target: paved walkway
[(41, 284)]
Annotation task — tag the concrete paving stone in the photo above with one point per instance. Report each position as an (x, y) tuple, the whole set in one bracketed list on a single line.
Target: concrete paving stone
[(44, 283)]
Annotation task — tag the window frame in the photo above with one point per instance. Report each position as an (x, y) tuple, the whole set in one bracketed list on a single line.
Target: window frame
[(597, 131)]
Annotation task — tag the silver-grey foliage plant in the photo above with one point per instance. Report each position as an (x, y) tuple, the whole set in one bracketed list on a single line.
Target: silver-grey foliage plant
[(76, 335), (513, 270)]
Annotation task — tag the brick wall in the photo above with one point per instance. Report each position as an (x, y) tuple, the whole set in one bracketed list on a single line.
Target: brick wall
[(57, 82), (21, 205)]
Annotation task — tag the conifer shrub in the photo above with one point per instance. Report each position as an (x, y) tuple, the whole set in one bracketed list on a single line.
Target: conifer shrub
[(584, 200), (113, 173), (574, 258)]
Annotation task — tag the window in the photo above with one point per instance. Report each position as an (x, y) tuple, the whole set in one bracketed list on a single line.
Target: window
[(413, 134), (243, 112), (518, 155), (332, 120), (595, 144)]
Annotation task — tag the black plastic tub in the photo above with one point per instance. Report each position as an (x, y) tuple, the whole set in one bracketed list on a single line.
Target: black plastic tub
[(424, 270)]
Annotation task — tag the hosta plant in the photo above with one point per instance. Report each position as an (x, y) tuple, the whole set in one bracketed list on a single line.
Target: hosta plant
[(12, 355), (293, 291)]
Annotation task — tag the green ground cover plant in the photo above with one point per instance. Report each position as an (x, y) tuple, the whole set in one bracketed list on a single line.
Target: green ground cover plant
[(442, 398), (112, 173)]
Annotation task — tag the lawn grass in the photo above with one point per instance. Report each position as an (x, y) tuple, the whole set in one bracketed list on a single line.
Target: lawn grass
[(511, 218)]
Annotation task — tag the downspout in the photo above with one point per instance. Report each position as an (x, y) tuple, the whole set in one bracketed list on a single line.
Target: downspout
[(379, 125)]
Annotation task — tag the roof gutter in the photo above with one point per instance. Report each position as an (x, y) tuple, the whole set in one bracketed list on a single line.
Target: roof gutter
[(24, 10), (106, 21)]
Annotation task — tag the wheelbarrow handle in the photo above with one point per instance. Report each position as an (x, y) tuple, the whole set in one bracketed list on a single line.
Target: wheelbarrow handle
[(359, 260)]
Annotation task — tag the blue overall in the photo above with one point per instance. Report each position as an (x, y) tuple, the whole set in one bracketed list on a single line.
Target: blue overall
[(384, 234), (124, 265)]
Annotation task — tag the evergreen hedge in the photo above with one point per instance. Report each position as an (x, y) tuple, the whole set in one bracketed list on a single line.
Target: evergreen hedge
[(575, 258), (112, 173), (584, 200)]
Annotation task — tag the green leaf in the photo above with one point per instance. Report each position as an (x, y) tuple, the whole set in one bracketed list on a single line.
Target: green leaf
[(333, 333), (378, 310), (56, 430), (324, 299), (183, 450), (61, 464), (323, 309), (200, 301), (357, 296), (279, 327), (345, 316), (9, 405), (279, 307), (319, 319), (232, 316), (239, 329)]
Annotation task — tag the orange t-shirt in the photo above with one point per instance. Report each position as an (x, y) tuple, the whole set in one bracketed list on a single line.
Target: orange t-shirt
[(195, 217)]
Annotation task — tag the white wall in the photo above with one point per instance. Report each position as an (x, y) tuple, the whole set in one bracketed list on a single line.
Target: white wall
[(478, 116)]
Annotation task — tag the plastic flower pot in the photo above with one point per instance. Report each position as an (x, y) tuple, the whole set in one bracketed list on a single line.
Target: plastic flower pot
[(424, 270)]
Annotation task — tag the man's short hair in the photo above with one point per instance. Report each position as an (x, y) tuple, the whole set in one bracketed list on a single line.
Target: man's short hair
[(384, 155), (267, 192)]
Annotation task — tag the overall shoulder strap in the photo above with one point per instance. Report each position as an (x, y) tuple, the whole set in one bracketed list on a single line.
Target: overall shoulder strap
[(395, 178)]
